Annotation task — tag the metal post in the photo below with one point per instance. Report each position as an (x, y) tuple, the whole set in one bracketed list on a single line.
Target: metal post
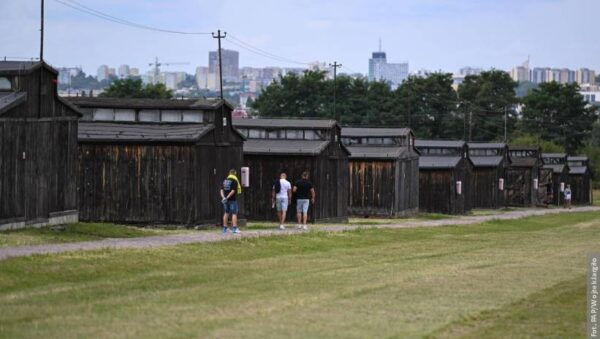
[(335, 66), (42, 32), (219, 37), (505, 124)]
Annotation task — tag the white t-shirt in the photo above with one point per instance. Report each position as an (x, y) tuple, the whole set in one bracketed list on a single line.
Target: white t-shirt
[(285, 187)]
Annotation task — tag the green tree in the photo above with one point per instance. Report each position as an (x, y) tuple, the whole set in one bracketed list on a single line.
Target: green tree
[(428, 105), (558, 113), (592, 150), (484, 101), (134, 88), (358, 101), (536, 140), (81, 81)]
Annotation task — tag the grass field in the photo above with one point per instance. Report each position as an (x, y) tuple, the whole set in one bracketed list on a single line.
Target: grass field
[(74, 233), (518, 279), (357, 221), (596, 197)]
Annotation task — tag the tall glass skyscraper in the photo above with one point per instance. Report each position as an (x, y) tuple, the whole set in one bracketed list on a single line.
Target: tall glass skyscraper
[(377, 58)]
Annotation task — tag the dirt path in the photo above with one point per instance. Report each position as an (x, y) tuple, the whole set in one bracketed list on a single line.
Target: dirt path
[(209, 236)]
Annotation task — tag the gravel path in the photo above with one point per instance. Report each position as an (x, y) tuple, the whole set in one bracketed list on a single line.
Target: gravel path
[(209, 236)]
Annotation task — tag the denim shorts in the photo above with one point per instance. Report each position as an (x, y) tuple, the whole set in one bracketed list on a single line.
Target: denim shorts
[(282, 204), (231, 207), (302, 205)]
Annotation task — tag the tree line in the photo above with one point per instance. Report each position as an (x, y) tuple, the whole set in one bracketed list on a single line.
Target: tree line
[(484, 107)]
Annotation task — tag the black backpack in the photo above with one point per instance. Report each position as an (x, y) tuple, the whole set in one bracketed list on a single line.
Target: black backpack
[(277, 186)]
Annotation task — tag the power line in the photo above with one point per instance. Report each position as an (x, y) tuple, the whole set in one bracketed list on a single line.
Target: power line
[(88, 10), (238, 42)]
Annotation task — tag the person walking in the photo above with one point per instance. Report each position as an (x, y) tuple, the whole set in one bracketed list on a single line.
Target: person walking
[(229, 191), (568, 197), (281, 196), (305, 195)]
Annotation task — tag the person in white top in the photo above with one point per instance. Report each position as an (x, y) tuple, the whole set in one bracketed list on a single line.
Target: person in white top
[(568, 197), (281, 196)]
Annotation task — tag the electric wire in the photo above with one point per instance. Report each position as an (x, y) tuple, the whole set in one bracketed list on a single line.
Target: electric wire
[(90, 11)]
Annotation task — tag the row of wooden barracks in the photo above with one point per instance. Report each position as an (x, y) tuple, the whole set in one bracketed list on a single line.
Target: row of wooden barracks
[(146, 161)]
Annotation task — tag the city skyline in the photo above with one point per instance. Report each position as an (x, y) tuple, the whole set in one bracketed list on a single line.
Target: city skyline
[(430, 34)]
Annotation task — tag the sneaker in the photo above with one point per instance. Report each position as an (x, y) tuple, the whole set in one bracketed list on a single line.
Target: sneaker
[(224, 229), (236, 230), (298, 226), (281, 227), (305, 227)]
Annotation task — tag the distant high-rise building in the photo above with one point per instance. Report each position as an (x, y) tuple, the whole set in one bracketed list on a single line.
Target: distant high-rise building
[(395, 74), (202, 77), (585, 76), (103, 73), (172, 79), (469, 71), (380, 69), (124, 71), (565, 76), (520, 74), (538, 75), (134, 72), (231, 64), (377, 58), (66, 73)]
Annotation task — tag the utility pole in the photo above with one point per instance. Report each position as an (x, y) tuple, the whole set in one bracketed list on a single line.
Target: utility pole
[(217, 168), (42, 32), (335, 66), (41, 86), (505, 124), (219, 37), (470, 125)]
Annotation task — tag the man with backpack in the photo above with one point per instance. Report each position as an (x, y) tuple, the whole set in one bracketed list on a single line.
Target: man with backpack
[(280, 197), (229, 191), (305, 195)]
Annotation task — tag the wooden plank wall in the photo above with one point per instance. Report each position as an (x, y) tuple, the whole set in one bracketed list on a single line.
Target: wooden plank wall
[(43, 182), (383, 187), (153, 183), (437, 191), (485, 187), (519, 182), (373, 187), (581, 188), (328, 173)]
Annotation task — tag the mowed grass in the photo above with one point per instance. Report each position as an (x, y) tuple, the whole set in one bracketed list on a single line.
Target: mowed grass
[(74, 233), (357, 221), (596, 197), (496, 279)]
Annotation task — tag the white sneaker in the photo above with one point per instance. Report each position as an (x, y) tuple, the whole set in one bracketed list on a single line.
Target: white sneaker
[(305, 227), (281, 227), (298, 226)]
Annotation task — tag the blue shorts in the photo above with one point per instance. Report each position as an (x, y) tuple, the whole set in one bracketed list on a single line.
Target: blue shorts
[(231, 207), (302, 205), (282, 204)]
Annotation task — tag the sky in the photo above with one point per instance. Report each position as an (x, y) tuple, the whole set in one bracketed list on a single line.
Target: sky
[(428, 34)]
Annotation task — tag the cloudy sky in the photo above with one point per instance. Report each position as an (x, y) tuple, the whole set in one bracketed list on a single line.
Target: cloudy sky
[(429, 34)]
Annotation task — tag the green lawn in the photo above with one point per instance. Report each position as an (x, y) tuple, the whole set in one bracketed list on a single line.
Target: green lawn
[(74, 233), (291, 223), (518, 279), (596, 197)]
